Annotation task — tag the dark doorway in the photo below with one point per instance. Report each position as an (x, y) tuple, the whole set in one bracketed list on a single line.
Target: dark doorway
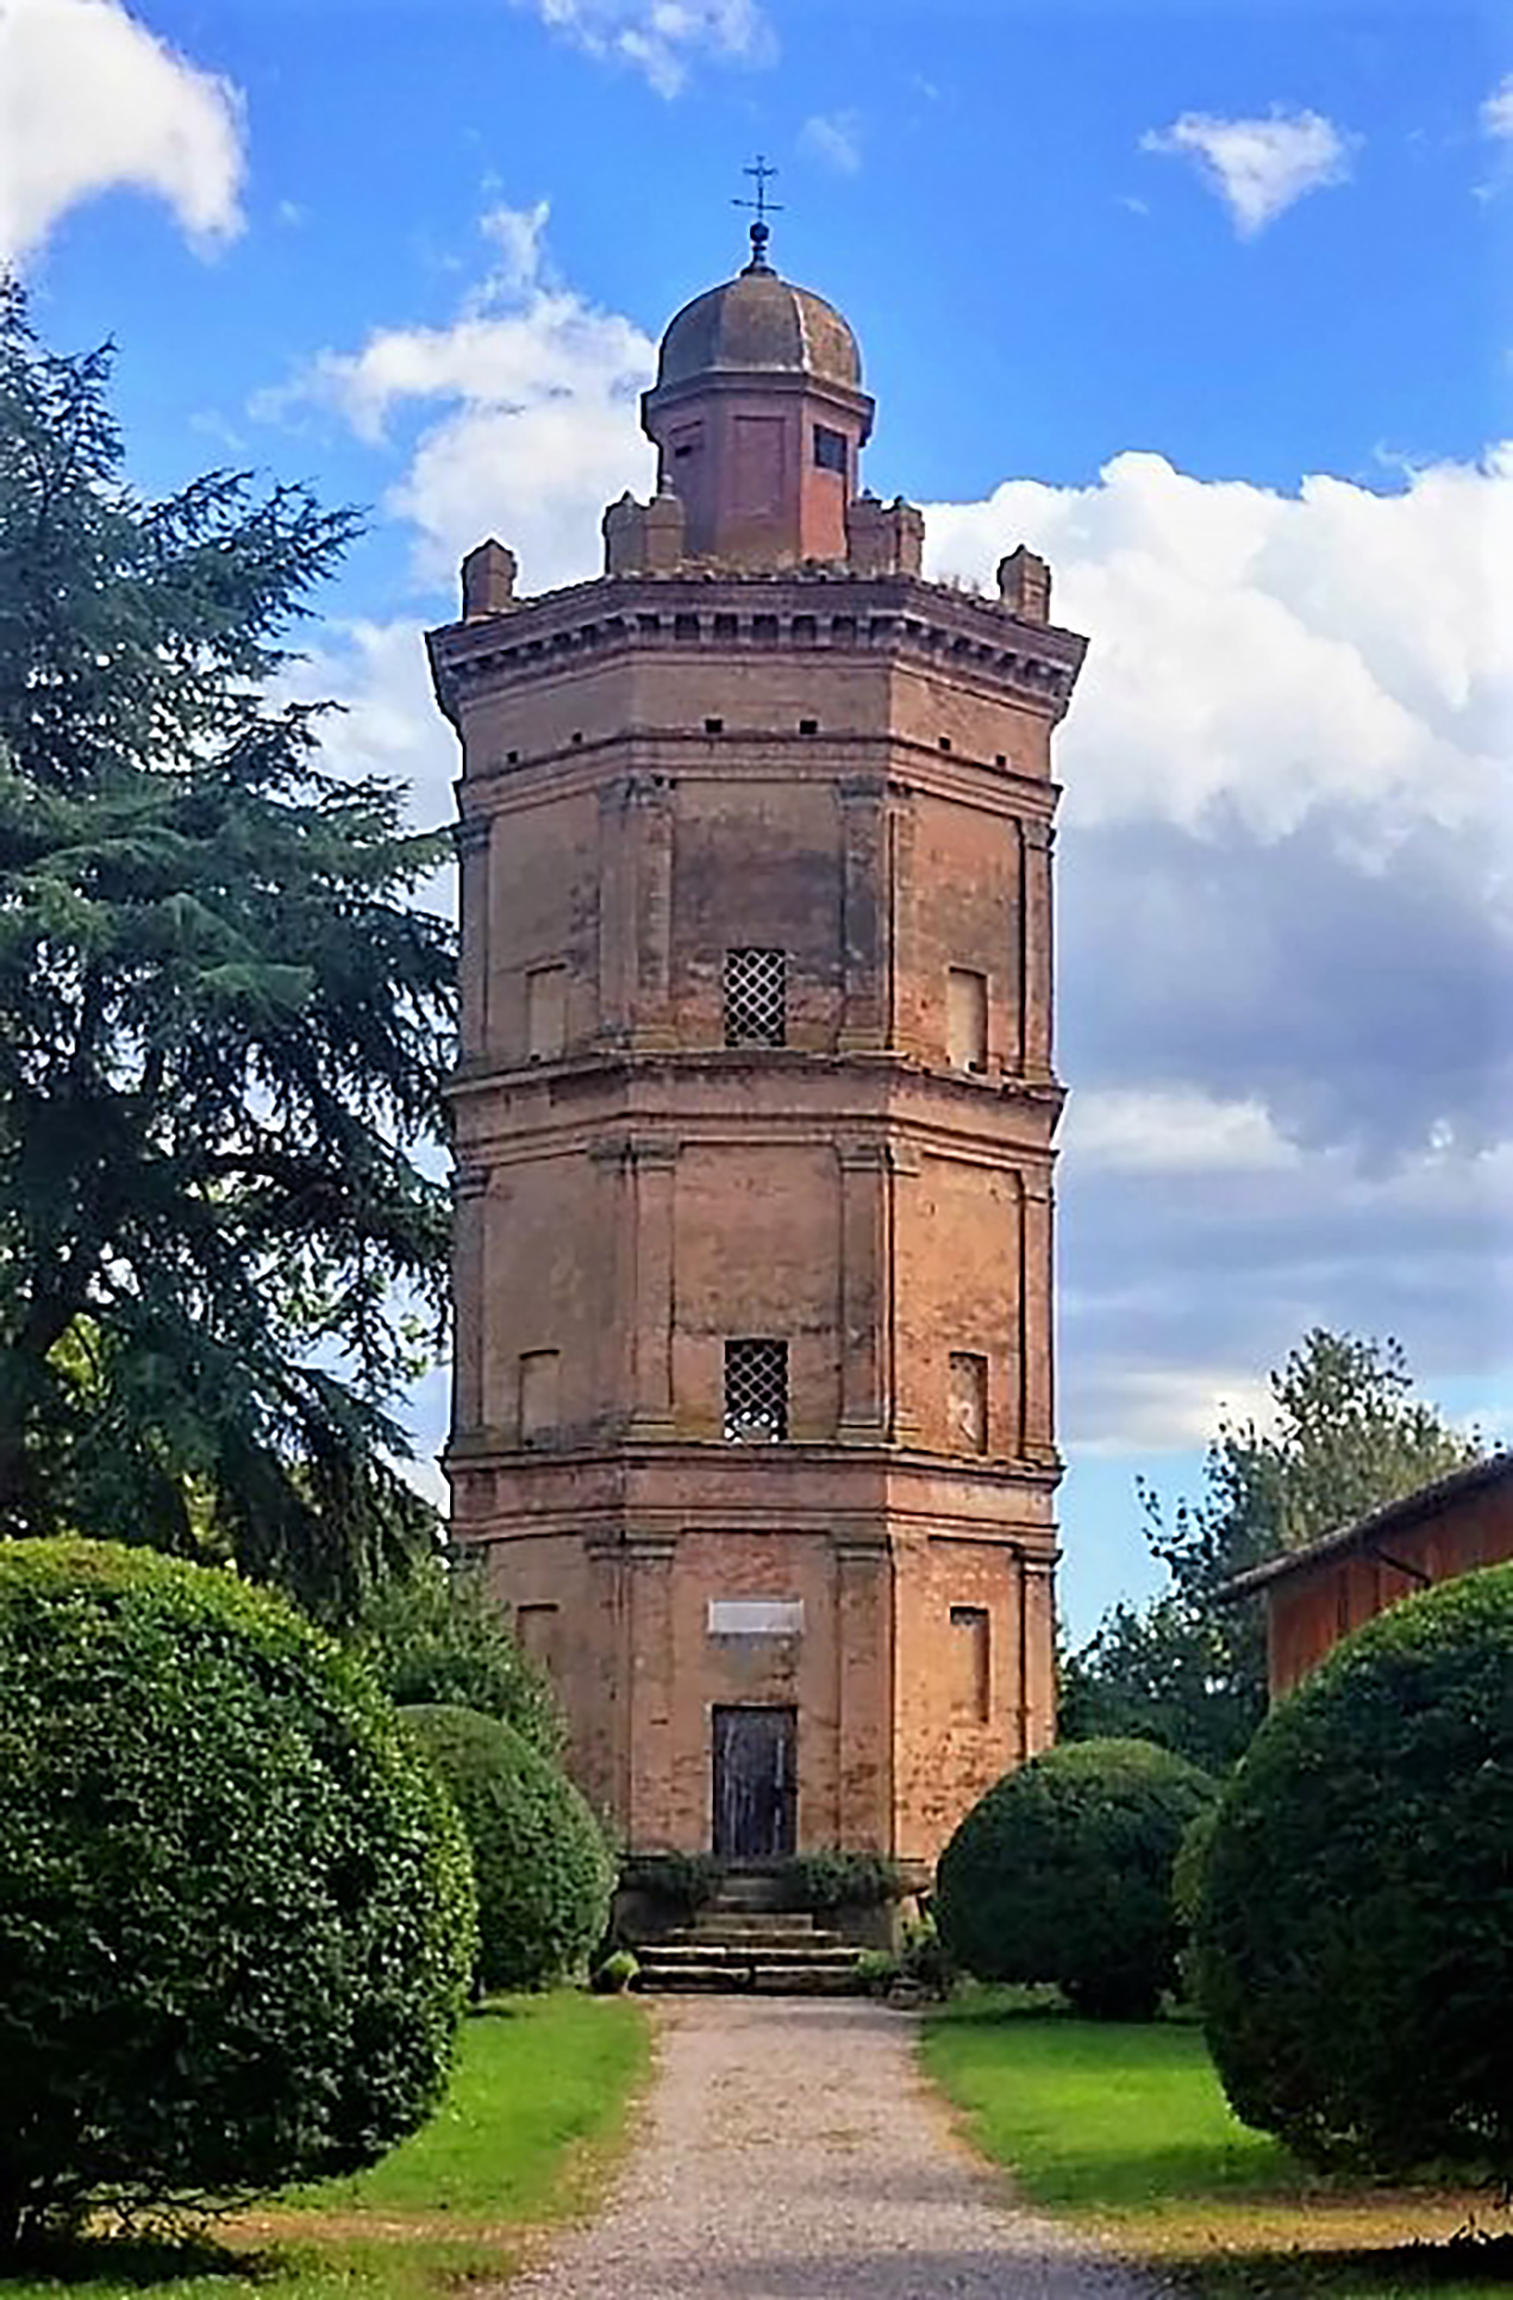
[(755, 1783)]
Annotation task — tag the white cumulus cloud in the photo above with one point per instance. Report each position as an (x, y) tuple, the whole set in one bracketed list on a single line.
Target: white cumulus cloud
[(1269, 659), (662, 39), (1258, 167), (1176, 1131), (91, 101), (835, 138), (526, 407), (1497, 111), (1125, 1408)]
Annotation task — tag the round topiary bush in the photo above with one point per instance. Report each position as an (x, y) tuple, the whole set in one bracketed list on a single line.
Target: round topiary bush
[(236, 1917), (544, 1873), (1063, 1872), (1354, 1944)]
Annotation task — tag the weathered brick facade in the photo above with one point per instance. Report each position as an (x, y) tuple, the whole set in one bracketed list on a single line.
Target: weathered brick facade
[(756, 917)]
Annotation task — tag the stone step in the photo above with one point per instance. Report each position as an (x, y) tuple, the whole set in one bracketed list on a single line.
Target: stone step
[(764, 1976), (728, 1928), (739, 1895), (674, 1953), (659, 1980), (780, 1920), (754, 1941), (776, 1980)]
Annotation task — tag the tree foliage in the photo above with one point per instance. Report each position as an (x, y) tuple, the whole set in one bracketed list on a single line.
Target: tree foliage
[(1162, 1672), (1346, 1434), (236, 1915), (223, 1022), (543, 1870), (1063, 1872), (432, 1634), (1354, 1943)]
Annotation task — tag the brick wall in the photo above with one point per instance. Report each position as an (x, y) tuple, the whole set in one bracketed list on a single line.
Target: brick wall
[(638, 1194)]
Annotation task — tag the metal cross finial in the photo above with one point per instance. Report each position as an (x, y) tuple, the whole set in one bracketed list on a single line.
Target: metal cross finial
[(760, 231)]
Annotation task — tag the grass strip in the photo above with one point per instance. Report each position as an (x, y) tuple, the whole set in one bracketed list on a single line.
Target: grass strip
[(1125, 2128), (539, 2100)]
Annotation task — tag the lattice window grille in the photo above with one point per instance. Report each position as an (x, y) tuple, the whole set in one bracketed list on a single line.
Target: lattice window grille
[(756, 1392), (756, 997)]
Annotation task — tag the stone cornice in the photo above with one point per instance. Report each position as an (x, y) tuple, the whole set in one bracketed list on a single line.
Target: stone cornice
[(896, 767), (827, 610), (596, 1065), (568, 1105), (755, 1466)]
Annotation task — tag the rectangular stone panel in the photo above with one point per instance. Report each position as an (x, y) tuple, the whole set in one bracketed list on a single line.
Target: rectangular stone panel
[(756, 1616)]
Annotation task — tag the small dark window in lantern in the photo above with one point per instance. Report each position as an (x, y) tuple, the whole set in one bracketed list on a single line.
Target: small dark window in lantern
[(829, 449)]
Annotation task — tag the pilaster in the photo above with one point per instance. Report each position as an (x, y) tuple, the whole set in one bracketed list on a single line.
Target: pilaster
[(471, 837), (648, 1570), (1038, 1647), (1036, 1352), (865, 1693), (902, 1177), (1006, 1033), (904, 1023), (602, 1757), (635, 912), (499, 1365), (617, 948), (866, 1286), (649, 841), (1037, 842), (864, 916), (469, 1204), (651, 1173)]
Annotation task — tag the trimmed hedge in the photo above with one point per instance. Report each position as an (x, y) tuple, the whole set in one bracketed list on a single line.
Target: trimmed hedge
[(236, 1917), (834, 1880), (543, 1871), (684, 1882), (1354, 1944), (1063, 1872)]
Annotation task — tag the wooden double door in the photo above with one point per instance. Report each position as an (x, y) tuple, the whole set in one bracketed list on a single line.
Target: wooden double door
[(755, 1783)]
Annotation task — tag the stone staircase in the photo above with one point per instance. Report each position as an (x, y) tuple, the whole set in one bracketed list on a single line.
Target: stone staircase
[(744, 1943)]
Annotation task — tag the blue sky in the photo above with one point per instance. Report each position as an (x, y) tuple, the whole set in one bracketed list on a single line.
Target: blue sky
[(1210, 303)]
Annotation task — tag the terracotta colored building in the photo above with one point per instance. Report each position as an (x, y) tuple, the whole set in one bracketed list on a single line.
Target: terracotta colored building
[(1315, 1596), (754, 1118)]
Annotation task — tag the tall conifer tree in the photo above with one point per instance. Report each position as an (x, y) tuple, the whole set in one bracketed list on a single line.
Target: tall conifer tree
[(224, 1021)]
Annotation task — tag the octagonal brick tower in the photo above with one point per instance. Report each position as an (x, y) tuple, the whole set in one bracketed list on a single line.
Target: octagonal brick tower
[(754, 1118)]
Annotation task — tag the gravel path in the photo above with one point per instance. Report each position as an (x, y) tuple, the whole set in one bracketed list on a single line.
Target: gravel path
[(790, 2152)]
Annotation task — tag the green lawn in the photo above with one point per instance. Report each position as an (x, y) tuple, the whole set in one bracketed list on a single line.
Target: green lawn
[(538, 2102), (1126, 2129)]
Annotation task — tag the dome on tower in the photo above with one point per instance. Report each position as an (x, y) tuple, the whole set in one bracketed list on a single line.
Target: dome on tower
[(758, 321)]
